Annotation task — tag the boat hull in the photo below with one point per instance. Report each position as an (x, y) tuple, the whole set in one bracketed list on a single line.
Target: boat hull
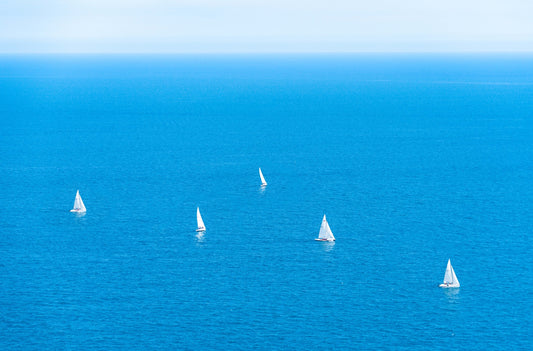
[(78, 211), (200, 230), (448, 286), (324, 239)]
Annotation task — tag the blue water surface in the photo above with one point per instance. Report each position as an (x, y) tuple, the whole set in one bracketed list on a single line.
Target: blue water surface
[(413, 158)]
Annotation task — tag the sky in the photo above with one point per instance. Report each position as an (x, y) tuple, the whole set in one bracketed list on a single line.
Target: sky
[(257, 26)]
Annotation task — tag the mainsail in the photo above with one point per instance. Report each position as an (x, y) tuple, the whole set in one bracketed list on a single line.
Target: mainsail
[(201, 226), (263, 181)]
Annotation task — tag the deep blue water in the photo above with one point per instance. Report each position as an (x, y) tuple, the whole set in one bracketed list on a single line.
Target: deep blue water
[(414, 160)]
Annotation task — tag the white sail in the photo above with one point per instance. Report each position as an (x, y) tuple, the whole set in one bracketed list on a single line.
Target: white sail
[(201, 225), (325, 233), (450, 279), (263, 181), (78, 204), (455, 281)]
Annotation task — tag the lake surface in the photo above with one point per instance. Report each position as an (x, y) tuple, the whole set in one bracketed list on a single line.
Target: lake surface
[(414, 159)]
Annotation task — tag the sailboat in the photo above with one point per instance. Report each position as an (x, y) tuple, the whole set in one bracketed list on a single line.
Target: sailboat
[(325, 233), (263, 181), (201, 225), (450, 279), (78, 204)]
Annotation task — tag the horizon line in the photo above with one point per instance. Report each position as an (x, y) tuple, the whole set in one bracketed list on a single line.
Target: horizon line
[(266, 52)]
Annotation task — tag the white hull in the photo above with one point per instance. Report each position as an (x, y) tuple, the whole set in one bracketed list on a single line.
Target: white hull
[(448, 286), (324, 239), (79, 211), (200, 230)]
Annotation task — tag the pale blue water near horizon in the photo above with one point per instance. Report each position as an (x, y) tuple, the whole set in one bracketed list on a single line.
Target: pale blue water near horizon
[(413, 158)]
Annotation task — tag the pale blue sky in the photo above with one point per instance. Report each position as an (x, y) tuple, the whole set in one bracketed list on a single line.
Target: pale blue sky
[(165, 26)]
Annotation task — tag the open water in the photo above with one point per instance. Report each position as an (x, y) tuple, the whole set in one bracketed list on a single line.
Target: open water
[(413, 158)]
